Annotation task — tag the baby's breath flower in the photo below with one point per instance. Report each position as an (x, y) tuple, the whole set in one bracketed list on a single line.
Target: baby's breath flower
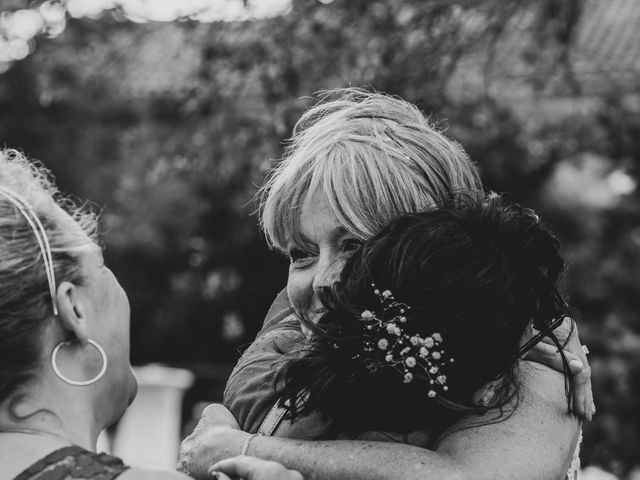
[(401, 350)]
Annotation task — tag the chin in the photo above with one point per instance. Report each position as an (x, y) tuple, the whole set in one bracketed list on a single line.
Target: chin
[(122, 396), (133, 387)]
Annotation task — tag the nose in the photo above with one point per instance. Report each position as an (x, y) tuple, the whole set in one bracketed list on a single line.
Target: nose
[(328, 271)]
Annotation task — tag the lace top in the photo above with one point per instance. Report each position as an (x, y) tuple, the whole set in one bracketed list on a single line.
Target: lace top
[(74, 462)]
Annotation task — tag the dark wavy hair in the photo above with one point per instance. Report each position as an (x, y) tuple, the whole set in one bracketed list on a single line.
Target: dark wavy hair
[(478, 271)]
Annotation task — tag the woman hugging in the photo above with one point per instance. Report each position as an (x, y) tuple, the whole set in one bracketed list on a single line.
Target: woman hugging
[(370, 196), (425, 324)]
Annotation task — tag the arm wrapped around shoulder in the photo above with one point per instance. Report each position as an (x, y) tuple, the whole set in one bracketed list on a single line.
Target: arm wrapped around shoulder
[(425, 314)]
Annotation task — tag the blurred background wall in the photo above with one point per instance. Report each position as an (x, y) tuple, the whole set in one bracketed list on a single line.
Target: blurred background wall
[(166, 114)]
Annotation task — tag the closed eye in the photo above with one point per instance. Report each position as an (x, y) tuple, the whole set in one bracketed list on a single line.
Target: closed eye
[(299, 257), (296, 254)]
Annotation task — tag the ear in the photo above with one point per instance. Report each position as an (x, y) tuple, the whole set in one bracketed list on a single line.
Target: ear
[(72, 311)]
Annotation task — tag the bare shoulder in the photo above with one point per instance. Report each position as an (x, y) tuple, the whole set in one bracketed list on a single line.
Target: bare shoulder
[(534, 439), (543, 387), (151, 474)]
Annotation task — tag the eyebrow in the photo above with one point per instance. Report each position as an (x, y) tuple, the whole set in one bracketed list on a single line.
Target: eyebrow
[(336, 234)]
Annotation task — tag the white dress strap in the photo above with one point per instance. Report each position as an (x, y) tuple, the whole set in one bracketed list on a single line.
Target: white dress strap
[(574, 469)]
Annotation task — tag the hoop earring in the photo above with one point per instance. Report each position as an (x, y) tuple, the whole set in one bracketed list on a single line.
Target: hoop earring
[(76, 382)]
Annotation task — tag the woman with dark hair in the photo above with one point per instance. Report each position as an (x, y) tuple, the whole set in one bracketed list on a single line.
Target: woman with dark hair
[(427, 314)]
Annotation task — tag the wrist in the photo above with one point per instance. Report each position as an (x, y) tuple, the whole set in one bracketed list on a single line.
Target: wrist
[(247, 443), (226, 442)]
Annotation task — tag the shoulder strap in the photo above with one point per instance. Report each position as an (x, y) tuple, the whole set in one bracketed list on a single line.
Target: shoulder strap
[(272, 420)]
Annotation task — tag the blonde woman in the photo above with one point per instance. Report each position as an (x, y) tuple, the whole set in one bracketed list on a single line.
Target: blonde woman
[(355, 163), (64, 340)]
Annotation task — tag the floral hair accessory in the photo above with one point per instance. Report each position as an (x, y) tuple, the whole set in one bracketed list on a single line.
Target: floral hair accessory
[(387, 344)]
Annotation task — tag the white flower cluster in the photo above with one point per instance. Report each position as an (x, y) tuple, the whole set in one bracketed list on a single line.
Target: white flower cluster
[(413, 356)]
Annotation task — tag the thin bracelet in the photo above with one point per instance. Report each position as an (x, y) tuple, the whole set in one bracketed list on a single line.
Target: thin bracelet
[(245, 448)]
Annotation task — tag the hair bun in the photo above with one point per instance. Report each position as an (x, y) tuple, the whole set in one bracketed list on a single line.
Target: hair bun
[(524, 241)]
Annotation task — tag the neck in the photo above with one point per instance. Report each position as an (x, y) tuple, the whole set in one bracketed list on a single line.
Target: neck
[(60, 435), (66, 416)]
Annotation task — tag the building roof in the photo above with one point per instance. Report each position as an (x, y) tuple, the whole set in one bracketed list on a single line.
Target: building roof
[(604, 53)]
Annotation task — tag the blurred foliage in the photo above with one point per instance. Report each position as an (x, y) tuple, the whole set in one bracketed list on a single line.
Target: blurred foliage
[(171, 127)]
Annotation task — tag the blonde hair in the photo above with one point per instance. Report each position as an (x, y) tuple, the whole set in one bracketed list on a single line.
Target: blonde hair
[(25, 303), (375, 157)]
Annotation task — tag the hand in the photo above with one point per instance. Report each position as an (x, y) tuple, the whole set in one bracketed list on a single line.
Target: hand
[(251, 468), (216, 415), (216, 437), (546, 353)]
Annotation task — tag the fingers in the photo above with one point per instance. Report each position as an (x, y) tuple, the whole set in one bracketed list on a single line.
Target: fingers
[(250, 468), (218, 476), (546, 353), (582, 394), (566, 329)]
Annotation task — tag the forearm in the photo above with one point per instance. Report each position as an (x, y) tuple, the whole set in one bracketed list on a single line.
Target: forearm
[(340, 459), (356, 460), (534, 442)]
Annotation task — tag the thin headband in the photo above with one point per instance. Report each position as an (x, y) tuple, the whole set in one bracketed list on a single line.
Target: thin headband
[(41, 236)]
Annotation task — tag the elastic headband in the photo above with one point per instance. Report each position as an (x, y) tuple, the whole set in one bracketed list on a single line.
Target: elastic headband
[(41, 236)]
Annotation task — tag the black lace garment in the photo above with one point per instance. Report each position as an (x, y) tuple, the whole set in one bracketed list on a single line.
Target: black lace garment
[(74, 463)]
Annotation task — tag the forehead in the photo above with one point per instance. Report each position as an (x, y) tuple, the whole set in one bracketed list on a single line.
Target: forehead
[(317, 219)]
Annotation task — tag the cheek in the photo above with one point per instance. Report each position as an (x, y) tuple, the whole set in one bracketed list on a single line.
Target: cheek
[(300, 290), (118, 314), (126, 321), (126, 309)]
